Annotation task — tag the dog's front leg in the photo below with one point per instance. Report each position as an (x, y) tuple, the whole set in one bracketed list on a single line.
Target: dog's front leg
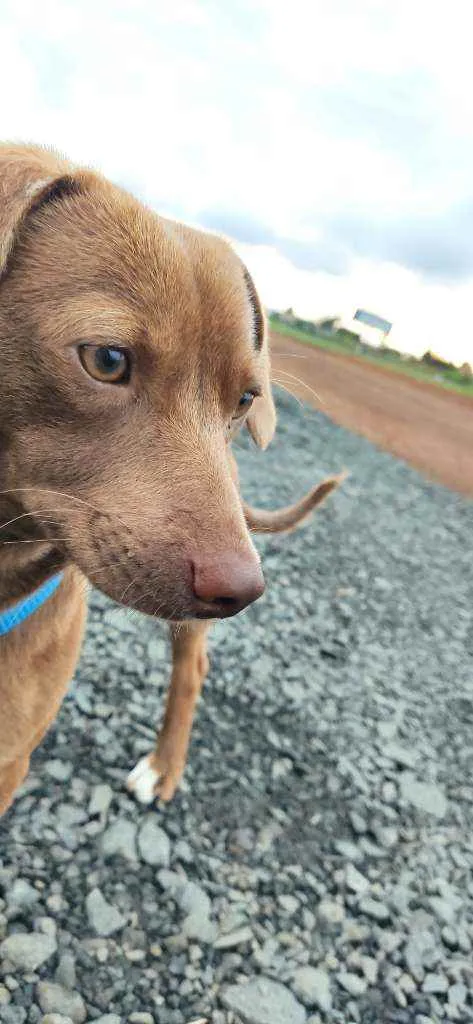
[(11, 777), (157, 775)]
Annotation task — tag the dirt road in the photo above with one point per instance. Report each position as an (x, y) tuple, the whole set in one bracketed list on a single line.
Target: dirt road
[(427, 426)]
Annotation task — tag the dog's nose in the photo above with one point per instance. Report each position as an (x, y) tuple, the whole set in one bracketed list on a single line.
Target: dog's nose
[(227, 582)]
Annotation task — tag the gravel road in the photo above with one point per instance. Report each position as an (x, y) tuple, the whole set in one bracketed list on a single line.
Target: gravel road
[(318, 862)]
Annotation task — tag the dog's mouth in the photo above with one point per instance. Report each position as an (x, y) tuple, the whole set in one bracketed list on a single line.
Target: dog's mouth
[(161, 590), (168, 595), (169, 590), (171, 579)]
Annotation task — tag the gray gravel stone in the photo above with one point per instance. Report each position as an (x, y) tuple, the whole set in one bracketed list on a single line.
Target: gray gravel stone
[(450, 937), (458, 994), (435, 983), (54, 998), (407, 984), (262, 1001), (192, 899), (331, 913), (358, 823), (66, 971), (236, 938), (352, 983), (369, 967), (375, 909), (13, 1015), (120, 838), (401, 755), (103, 917), (348, 849), (22, 894), (387, 835), (55, 1018), (5, 996), (419, 949), (288, 903), (153, 843), (28, 951), (171, 881), (108, 1018), (183, 852), (58, 770), (100, 800), (157, 649), (312, 986), (198, 926), (424, 795), (445, 909), (355, 880), (389, 792)]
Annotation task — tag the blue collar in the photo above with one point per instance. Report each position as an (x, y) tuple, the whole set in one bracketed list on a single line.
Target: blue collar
[(21, 611)]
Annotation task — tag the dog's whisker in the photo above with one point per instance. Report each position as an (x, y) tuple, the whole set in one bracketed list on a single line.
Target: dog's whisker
[(25, 515), (38, 540), (148, 593), (67, 510), (292, 355), (127, 588), (303, 384), (49, 490), (94, 570), (288, 390)]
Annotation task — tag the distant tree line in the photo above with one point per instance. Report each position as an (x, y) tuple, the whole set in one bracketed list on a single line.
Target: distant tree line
[(328, 328)]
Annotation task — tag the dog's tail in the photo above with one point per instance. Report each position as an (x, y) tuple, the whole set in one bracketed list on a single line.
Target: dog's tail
[(284, 520)]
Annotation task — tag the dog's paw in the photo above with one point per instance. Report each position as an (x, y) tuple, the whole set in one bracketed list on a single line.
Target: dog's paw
[(154, 778), (143, 780)]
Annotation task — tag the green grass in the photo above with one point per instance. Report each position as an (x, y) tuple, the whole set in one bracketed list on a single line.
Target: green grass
[(331, 345), (451, 380)]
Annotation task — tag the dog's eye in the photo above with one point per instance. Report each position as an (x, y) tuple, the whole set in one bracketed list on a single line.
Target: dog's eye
[(106, 363), (246, 400)]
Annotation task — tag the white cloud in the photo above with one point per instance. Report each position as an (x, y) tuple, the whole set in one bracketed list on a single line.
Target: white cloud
[(292, 115)]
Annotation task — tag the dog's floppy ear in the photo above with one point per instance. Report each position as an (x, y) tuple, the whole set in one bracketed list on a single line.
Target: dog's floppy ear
[(261, 419), (30, 177)]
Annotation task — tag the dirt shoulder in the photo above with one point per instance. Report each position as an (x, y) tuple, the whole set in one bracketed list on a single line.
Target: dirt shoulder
[(429, 427)]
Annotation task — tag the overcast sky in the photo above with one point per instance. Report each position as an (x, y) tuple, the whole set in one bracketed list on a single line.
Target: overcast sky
[(332, 141)]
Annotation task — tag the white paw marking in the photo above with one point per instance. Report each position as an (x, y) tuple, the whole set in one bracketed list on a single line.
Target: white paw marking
[(142, 781)]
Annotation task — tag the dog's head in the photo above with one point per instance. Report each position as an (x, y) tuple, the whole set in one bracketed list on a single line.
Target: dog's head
[(132, 349)]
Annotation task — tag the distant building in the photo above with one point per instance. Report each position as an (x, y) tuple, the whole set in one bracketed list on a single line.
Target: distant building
[(373, 329), (363, 326)]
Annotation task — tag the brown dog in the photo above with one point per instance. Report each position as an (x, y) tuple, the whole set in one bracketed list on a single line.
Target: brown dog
[(132, 349)]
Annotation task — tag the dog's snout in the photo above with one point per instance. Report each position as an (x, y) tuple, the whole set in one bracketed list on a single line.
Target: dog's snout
[(226, 583)]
